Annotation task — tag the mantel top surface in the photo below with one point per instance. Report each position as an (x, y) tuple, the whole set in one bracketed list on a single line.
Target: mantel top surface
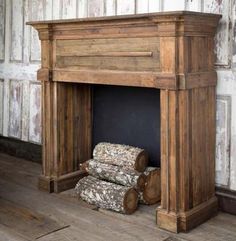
[(128, 17)]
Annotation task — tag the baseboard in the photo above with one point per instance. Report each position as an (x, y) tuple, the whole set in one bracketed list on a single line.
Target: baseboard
[(227, 200), (21, 149)]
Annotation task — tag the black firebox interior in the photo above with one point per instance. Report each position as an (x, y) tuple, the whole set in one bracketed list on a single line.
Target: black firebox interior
[(128, 115)]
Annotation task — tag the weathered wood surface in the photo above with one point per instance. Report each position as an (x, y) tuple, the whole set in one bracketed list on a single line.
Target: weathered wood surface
[(152, 188), (116, 174), (107, 195), (121, 155), (87, 224)]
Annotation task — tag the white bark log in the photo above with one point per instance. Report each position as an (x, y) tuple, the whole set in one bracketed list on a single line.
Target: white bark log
[(115, 174), (121, 155), (107, 195)]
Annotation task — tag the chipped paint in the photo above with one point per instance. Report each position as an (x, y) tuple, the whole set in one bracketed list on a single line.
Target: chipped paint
[(15, 109), (223, 127), (35, 113)]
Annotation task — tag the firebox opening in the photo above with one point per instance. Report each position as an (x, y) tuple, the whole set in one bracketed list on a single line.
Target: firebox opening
[(128, 115)]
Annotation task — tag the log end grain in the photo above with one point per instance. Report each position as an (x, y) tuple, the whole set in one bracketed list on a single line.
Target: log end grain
[(141, 182), (130, 201), (141, 162), (152, 190)]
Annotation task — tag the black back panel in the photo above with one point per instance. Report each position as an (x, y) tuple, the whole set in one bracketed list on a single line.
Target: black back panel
[(128, 115)]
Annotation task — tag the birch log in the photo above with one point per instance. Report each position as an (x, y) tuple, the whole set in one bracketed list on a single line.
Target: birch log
[(107, 195), (152, 189), (115, 174), (121, 155)]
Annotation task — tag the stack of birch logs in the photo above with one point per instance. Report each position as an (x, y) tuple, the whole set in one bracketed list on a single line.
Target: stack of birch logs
[(119, 178)]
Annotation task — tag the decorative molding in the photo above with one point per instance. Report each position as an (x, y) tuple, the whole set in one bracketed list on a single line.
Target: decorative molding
[(223, 131)]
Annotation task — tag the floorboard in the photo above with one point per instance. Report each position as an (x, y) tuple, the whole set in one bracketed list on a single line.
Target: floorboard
[(28, 214)]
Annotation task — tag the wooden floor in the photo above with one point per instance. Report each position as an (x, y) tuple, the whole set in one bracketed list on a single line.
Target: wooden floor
[(28, 214)]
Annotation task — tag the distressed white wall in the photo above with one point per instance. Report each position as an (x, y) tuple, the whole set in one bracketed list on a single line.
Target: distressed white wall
[(20, 58)]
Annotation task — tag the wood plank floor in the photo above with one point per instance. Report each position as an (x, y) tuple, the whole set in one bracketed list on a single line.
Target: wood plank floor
[(28, 214)]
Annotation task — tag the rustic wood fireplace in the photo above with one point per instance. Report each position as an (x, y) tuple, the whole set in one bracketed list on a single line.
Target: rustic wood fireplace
[(173, 52)]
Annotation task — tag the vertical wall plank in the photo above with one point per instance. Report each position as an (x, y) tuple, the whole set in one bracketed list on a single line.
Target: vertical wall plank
[(110, 7), (68, 8), (2, 30), (82, 8), (15, 112), (170, 5), (223, 36), (35, 112), (125, 7), (17, 30), (37, 13), (95, 8), (154, 5), (25, 111), (223, 140), (1, 106), (48, 9), (194, 5), (142, 6), (56, 9)]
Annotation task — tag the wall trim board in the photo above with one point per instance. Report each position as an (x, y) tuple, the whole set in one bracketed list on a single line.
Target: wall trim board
[(226, 200), (21, 149)]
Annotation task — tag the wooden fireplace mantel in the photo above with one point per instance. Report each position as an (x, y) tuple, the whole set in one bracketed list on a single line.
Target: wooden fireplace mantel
[(171, 51)]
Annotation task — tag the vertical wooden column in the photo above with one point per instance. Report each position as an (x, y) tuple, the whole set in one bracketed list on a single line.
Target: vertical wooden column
[(188, 139), (66, 122)]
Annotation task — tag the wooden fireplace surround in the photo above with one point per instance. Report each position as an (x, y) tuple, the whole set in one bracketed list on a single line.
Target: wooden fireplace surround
[(172, 51)]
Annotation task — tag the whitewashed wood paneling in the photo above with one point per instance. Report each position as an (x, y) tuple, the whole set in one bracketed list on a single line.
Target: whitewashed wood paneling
[(125, 7), (68, 9), (15, 110), (223, 132), (170, 5), (194, 5), (17, 30), (35, 112), (82, 8), (1, 106), (95, 8), (37, 13), (110, 7), (223, 37), (2, 30), (154, 6), (142, 6)]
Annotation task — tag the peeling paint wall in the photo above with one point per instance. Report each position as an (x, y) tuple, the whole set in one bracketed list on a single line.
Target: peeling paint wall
[(20, 115)]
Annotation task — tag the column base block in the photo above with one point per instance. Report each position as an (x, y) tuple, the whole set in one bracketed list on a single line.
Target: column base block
[(185, 221), (68, 181), (46, 184), (60, 184)]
